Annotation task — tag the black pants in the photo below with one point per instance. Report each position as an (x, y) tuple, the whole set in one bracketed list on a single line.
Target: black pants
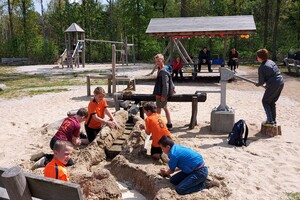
[(91, 133), (233, 64), (269, 99), (175, 72), (207, 62)]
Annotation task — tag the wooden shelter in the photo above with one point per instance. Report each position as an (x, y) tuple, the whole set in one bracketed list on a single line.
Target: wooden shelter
[(186, 27)]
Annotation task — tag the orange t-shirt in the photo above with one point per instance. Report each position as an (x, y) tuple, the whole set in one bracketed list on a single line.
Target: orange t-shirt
[(95, 108), (157, 126), (55, 169)]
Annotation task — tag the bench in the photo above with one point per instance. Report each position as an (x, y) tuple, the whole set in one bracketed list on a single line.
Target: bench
[(194, 98), (109, 77), (15, 185), (292, 64), (14, 60)]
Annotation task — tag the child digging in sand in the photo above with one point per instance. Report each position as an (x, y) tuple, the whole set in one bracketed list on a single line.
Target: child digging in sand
[(155, 124), (193, 172), (69, 130), (56, 168)]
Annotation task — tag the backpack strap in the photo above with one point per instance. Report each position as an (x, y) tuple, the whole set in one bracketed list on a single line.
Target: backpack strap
[(246, 134)]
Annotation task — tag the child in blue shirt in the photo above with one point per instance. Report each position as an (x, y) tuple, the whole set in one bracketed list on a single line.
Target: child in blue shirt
[(193, 171)]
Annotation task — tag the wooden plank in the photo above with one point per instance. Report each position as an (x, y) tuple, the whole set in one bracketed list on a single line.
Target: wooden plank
[(175, 98), (52, 189), (48, 188)]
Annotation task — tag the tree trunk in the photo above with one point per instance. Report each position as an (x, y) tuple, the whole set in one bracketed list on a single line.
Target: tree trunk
[(266, 22), (184, 8), (24, 23), (11, 27), (275, 31), (138, 29), (43, 25)]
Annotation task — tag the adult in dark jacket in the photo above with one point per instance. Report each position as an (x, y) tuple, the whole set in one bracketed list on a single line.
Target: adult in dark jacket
[(204, 58), (164, 87), (233, 59), (269, 74)]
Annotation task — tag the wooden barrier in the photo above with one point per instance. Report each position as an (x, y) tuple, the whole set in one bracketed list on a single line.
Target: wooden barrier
[(24, 186), (194, 98), (109, 78)]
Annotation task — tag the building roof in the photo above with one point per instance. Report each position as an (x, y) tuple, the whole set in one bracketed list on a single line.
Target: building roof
[(201, 26), (74, 28)]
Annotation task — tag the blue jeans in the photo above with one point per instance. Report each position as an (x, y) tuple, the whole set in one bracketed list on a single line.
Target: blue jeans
[(189, 183)]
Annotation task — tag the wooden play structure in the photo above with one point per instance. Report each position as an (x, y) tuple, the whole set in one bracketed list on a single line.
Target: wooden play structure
[(16, 185), (75, 50), (186, 27), (112, 79)]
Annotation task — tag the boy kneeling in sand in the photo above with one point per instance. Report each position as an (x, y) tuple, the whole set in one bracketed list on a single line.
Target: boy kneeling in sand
[(56, 168), (155, 124), (193, 172)]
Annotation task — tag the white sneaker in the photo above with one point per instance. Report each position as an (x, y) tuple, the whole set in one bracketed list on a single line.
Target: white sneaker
[(39, 163)]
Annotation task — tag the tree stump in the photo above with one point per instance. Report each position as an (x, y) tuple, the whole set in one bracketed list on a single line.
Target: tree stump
[(270, 130)]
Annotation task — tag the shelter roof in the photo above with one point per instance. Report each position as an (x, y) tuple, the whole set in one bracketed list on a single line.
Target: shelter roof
[(201, 26), (74, 28)]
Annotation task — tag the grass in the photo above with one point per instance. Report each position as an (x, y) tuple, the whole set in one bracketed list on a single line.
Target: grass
[(19, 85), (293, 196)]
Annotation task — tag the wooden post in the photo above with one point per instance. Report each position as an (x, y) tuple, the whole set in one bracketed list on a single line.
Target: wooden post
[(15, 184), (133, 53), (88, 85), (126, 51), (224, 50), (270, 130), (114, 67), (141, 112), (194, 112)]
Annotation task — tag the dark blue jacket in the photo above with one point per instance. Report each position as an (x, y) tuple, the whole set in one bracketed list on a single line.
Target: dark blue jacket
[(269, 73)]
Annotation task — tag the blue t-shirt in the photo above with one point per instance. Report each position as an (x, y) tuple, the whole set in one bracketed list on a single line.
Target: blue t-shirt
[(184, 158)]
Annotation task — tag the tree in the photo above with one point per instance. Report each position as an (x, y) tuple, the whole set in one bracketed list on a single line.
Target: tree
[(266, 23), (275, 31)]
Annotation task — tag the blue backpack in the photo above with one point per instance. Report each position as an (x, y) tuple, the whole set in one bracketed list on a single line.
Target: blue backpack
[(239, 134)]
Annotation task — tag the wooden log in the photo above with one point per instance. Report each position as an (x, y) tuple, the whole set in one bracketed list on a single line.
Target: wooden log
[(15, 184), (270, 131), (201, 97)]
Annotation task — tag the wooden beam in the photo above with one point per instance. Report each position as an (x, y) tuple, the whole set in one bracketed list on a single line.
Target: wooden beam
[(52, 189), (201, 97)]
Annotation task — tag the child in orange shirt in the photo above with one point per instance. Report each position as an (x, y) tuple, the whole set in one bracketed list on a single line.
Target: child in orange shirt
[(155, 124), (97, 110), (56, 168)]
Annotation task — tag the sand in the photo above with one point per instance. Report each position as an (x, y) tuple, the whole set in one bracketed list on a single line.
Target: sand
[(268, 168)]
